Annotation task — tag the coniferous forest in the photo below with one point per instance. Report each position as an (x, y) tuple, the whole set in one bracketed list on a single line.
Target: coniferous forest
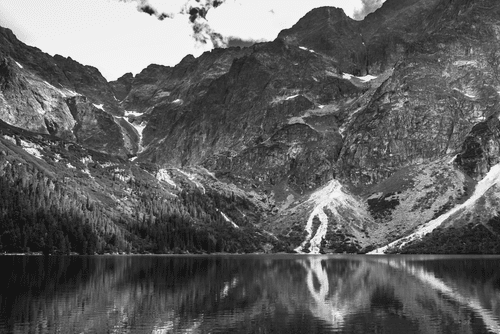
[(39, 213)]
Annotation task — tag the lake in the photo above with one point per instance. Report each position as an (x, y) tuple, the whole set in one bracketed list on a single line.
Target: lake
[(250, 294)]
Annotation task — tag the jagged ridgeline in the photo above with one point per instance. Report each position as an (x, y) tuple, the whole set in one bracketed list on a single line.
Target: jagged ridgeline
[(350, 136)]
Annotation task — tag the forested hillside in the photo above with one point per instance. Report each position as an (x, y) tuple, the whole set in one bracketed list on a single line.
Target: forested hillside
[(42, 210)]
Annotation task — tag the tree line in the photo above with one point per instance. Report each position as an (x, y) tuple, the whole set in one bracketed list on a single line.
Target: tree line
[(41, 214)]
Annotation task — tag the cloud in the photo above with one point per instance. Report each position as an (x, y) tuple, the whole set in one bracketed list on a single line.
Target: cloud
[(367, 7), (243, 22), (196, 10), (262, 20)]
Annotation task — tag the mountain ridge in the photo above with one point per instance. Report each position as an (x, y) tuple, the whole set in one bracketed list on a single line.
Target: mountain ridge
[(347, 135)]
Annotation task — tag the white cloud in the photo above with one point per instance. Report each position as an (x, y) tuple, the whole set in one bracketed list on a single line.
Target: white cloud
[(264, 19), (112, 36), (116, 38)]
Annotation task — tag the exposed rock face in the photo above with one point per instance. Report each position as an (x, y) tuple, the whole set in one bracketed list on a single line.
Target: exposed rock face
[(95, 128), (330, 31), (260, 95), (480, 150), (38, 93), (88, 81), (59, 71), (121, 86), (31, 103)]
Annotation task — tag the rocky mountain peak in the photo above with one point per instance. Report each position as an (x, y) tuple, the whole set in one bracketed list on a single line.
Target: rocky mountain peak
[(330, 31)]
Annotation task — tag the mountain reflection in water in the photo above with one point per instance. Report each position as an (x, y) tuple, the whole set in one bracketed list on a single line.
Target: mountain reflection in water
[(250, 294)]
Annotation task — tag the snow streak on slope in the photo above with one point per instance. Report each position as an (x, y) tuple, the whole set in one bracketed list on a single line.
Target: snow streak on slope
[(306, 49), (99, 106), (138, 127), (491, 179), (133, 113), (333, 199), (226, 218), (365, 78)]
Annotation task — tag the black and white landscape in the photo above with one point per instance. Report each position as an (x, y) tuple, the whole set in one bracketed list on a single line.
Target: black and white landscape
[(378, 135)]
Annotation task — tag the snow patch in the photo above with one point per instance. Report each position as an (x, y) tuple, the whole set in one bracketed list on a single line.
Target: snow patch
[(98, 106), (491, 179), (20, 66), (177, 101), (139, 128), (306, 49), (292, 97), (226, 218), (133, 113), (69, 165), (162, 175), (367, 78)]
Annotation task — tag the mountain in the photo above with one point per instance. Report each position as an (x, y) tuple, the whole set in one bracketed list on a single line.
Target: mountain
[(338, 136)]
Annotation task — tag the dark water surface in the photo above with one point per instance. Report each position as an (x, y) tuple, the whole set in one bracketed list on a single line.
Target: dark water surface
[(250, 294)]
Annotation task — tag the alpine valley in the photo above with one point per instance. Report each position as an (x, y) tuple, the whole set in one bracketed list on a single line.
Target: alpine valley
[(380, 135)]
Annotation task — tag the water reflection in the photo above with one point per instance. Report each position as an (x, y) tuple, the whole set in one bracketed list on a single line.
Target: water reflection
[(250, 294)]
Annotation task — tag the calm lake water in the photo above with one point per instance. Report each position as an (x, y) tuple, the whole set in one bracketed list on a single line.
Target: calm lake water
[(250, 294)]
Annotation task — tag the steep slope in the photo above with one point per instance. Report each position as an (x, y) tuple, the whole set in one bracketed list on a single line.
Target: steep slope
[(444, 91), (330, 31), (59, 197), (339, 136), (58, 96), (59, 71)]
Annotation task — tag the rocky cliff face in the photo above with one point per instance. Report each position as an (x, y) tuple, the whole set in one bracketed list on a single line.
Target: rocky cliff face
[(349, 134), (47, 94)]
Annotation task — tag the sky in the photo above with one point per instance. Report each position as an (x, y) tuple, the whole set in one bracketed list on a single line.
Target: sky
[(120, 36)]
